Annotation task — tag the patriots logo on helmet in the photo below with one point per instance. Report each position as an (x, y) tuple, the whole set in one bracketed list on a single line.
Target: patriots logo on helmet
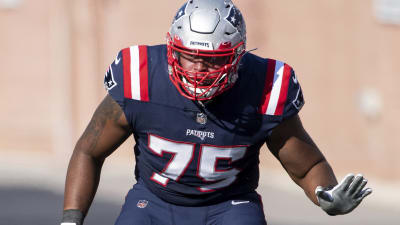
[(235, 17), (180, 13), (109, 82)]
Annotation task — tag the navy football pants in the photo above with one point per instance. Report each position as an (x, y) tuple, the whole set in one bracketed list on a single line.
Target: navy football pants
[(144, 208)]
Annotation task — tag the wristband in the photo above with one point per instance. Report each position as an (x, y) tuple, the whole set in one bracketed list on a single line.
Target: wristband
[(72, 217)]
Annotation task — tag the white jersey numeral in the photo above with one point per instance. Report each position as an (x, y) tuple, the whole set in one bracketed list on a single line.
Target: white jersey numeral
[(208, 161), (182, 155)]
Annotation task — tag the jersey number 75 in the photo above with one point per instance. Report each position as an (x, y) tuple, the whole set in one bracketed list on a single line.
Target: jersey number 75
[(183, 154)]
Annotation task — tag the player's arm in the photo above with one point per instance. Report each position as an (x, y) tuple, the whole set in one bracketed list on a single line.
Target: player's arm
[(307, 166), (300, 157), (107, 129)]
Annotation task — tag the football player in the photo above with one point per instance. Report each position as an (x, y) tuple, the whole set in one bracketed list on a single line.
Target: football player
[(200, 107)]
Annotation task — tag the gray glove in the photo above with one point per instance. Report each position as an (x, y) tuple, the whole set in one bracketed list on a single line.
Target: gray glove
[(344, 197)]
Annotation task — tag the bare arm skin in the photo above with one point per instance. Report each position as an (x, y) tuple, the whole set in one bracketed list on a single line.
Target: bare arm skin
[(107, 129), (301, 158)]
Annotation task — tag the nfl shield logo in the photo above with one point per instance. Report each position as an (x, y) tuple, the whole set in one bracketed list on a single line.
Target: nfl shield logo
[(201, 118), (142, 204)]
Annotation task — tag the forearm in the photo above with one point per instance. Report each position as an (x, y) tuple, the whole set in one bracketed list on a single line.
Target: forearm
[(320, 174), (307, 166), (82, 181)]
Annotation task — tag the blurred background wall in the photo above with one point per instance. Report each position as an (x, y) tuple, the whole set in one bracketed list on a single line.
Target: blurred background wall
[(53, 55)]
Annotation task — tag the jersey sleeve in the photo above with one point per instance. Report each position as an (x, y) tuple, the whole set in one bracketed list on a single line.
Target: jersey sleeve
[(114, 79), (282, 96), (127, 77), (295, 100)]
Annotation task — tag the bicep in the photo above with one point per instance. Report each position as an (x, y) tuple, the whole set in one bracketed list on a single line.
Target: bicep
[(294, 148), (107, 129)]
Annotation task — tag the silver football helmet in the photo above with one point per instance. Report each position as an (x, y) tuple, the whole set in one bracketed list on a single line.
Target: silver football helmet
[(213, 30)]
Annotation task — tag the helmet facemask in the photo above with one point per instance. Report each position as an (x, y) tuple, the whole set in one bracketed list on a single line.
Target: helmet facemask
[(204, 85), (203, 32)]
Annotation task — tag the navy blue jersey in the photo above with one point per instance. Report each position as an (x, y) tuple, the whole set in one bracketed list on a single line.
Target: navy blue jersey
[(190, 154)]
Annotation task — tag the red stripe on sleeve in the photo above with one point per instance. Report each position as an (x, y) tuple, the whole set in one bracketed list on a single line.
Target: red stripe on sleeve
[(284, 90), (144, 73), (268, 86), (126, 60)]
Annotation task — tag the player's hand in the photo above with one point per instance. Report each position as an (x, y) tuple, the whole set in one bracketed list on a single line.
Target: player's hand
[(344, 197)]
